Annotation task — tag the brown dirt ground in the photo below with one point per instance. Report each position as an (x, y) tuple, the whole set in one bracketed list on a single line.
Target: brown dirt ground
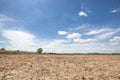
[(59, 67)]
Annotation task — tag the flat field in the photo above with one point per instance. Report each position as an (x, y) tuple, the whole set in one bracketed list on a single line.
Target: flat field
[(59, 67)]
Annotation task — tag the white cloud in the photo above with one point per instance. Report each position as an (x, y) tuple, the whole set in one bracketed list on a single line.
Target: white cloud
[(19, 39), (62, 32), (115, 41), (115, 10), (56, 46), (4, 18), (83, 26), (108, 34), (99, 31), (73, 35), (78, 40), (8, 22), (23, 40), (105, 35), (81, 13), (14, 38), (26, 41)]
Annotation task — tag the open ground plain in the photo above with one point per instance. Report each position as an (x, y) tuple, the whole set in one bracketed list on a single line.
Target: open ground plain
[(59, 67)]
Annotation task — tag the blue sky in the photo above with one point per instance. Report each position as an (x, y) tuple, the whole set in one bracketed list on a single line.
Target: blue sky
[(69, 26)]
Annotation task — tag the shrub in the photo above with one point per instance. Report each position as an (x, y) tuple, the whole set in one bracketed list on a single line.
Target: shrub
[(18, 51), (2, 49), (39, 50)]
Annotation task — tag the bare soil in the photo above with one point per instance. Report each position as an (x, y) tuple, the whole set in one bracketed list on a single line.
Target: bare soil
[(59, 67)]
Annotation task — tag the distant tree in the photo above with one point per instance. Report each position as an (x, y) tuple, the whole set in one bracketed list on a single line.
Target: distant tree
[(2, 49), (18, 51), (39, 50)]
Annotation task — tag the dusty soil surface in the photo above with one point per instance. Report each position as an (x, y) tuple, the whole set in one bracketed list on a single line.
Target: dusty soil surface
[(59, 67)]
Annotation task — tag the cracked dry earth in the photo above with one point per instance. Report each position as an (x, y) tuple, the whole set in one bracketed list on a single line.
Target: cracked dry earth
[(59, 67)]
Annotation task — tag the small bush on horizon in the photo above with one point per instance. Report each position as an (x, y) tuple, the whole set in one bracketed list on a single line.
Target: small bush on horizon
[(39, 50), (18, 51), (2, 49)]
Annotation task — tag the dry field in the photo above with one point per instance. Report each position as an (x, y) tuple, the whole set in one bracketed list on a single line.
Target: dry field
[(59, 67)]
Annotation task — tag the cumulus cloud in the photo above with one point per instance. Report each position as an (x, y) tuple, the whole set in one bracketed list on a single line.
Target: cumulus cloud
[(84, 11), (15, 39), (19, 39), (115, 10), (81, 13), (93, 41), (73, 35), (26, 41), (115, 41), (62, 32)]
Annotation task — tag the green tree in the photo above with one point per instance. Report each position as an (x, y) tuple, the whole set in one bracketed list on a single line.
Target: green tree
[(39, 50)]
